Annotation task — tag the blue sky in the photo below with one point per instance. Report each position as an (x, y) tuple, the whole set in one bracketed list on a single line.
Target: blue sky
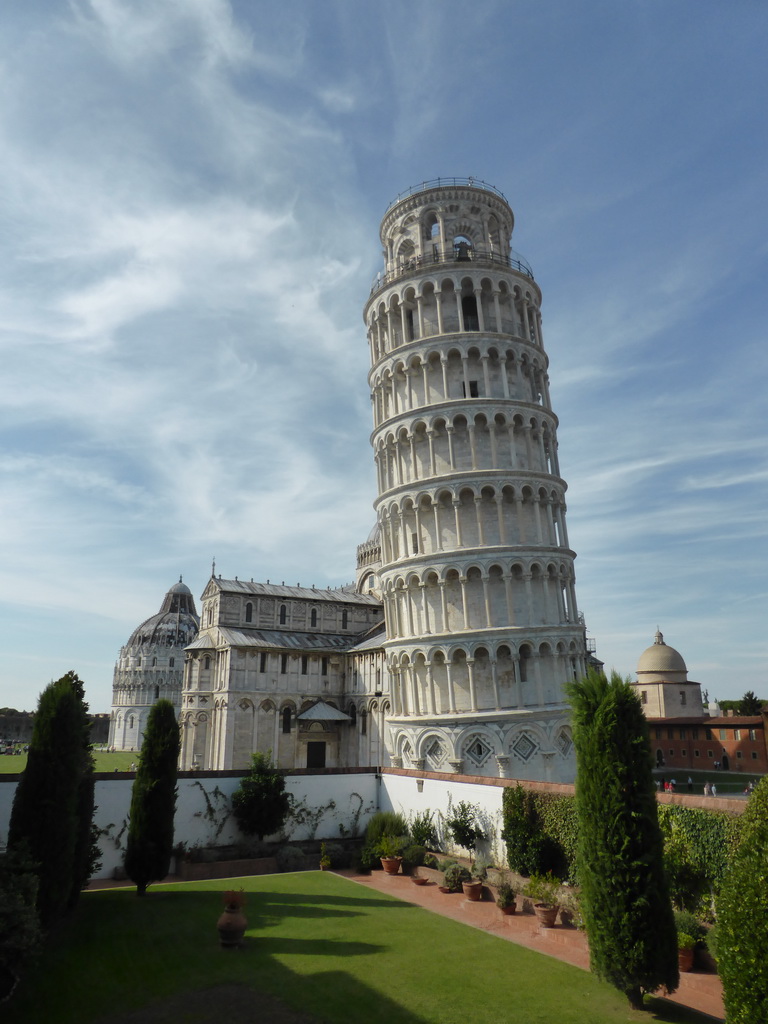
[(190, 196)]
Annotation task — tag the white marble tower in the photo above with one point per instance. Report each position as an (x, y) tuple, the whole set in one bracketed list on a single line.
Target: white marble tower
[(476, 572)]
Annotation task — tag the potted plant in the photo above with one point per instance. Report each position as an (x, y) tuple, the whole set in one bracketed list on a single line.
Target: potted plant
[(325, 860), (685, 946), (454, 878), (506, 897), (544, 890), (473, 889), (232, 922), (389, 850)]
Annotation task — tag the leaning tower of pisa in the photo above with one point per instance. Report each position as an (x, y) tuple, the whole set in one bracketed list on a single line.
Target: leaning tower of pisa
[(476, 571)]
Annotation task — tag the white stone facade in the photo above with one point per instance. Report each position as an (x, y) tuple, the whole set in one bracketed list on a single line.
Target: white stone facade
[(150, 667), (296, 671), (452, 650), (476, 573)]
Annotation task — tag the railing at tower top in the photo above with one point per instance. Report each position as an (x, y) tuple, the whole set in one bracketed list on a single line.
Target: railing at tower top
[(425, 186), (461, 253)]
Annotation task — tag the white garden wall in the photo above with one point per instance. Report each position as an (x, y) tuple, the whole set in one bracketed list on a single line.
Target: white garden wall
[(326, 806)]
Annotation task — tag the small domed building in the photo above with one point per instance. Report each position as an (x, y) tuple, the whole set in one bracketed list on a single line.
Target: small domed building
[(151, 666), (663, 684)]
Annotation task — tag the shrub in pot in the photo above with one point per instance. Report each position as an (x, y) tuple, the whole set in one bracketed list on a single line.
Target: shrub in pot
[(685, 947), (506, 897), (544, 891), (455, 876)]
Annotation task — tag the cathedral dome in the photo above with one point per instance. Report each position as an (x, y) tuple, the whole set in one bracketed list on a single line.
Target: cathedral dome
[(175, 625), (662, 661)]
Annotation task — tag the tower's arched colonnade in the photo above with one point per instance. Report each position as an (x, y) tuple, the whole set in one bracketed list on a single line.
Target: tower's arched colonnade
[(476, 572)]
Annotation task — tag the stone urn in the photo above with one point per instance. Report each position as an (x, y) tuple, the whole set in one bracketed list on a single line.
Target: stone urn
[(473, 890), (546, 913), (232, 921), (391, 865)]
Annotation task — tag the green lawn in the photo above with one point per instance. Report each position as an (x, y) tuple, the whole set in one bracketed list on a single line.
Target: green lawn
[(728, 783), (322, 944), (121, 761)]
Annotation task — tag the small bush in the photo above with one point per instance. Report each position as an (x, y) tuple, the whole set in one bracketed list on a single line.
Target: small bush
[(455, 875), (413, 857), (337, 855), (423, 831), (290, 858), (462, 824), (687, 923), (384, 823)]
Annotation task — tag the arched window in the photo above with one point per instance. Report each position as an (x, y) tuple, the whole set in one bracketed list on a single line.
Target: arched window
[(249, 612), (313, 617), (154, 662), (283, 614), (363, 722), (157, 693), (286, 719), (344, 618), (171, 662), (353, 715), (206, 662)]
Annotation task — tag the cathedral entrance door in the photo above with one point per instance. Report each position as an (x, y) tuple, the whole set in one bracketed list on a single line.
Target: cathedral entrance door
[(316, 754)]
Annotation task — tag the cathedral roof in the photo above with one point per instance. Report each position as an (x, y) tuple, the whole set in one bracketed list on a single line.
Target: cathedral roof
[(175, 625), (339, 595), (663, 661), (279, 639)]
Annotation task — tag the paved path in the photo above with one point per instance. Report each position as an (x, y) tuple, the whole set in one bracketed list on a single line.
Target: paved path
[(699, 990)]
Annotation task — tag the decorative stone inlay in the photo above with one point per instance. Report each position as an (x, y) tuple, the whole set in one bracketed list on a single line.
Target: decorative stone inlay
[(524, 747), (564, 743), (457, 766), (477, 750), (436, 753)]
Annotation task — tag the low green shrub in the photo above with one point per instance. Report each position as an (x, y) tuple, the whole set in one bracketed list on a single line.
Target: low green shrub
[(290, 858), (422, 830), (413, 857), (385, 823), (454, 876)]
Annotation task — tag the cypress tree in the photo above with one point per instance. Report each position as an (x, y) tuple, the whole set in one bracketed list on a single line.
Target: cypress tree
[(153, 800), (742, 919), (86, 854), (49, 809), (626, 904)]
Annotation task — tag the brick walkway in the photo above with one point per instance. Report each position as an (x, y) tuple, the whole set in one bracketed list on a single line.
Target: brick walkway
[(699, 990)]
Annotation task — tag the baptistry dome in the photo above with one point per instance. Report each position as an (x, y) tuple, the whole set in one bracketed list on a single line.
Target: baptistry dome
[(175, 625)]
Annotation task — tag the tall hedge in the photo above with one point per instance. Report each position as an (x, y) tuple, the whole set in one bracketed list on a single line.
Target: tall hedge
[(742, 919), (52, 810), (625, 899), (153, 800)]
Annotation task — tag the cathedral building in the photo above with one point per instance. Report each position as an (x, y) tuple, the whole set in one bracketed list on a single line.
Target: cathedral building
[(452, 649)]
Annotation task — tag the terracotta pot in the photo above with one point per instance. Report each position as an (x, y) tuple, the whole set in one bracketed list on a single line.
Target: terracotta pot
[(391, 865), (232, 925), (473, 891), (444, 888), (509, 909), (418, 880), (685, 959), (546, 913)]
